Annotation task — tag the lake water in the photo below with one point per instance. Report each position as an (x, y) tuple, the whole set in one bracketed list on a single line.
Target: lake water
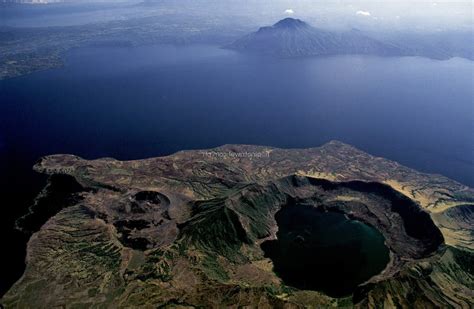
[(324, 251), (132, 103)]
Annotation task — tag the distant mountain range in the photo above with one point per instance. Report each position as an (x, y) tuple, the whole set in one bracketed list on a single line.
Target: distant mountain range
[(292, 37)]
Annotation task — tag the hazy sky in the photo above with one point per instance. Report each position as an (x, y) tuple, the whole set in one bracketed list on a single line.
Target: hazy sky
[(417, 15), (413, 14)]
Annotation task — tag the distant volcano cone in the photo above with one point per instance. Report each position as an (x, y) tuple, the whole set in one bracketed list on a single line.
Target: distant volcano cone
[(291, 37), (291, 23)]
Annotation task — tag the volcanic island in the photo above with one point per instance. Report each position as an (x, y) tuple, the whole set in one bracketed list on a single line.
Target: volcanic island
[(242, 225)]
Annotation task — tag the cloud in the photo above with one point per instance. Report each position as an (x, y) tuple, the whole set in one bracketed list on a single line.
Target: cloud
[(289, 11), (363, 13)]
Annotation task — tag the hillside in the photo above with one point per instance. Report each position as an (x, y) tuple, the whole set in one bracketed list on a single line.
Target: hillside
[(291, 37), (188, 229), (294, 38)]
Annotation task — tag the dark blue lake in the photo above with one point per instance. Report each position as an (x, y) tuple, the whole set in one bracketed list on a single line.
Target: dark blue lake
[(312, 249), (132, 103)]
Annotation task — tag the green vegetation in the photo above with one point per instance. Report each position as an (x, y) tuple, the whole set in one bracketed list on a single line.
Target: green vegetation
[(204, 232)]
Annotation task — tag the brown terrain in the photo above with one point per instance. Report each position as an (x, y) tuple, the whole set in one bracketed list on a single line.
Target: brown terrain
[(185, 230)]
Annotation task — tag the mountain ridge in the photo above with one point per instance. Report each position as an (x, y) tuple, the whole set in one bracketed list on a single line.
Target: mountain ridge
[(187, 229), (292, 37)]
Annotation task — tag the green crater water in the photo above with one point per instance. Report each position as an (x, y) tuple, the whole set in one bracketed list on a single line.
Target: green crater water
[(324, 251)]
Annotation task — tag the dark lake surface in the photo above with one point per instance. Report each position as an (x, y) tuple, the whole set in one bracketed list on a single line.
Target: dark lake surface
[(137, 102), (325, 251)]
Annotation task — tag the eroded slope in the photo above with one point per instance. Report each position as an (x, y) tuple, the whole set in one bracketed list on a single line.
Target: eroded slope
[(186, 229)]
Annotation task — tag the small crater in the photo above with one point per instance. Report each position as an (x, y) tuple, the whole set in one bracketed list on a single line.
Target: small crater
[(131, 224), (126, 228), (146, 201)]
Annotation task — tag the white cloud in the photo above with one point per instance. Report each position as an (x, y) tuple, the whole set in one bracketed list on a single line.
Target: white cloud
[(363, 13), (289, 11)]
